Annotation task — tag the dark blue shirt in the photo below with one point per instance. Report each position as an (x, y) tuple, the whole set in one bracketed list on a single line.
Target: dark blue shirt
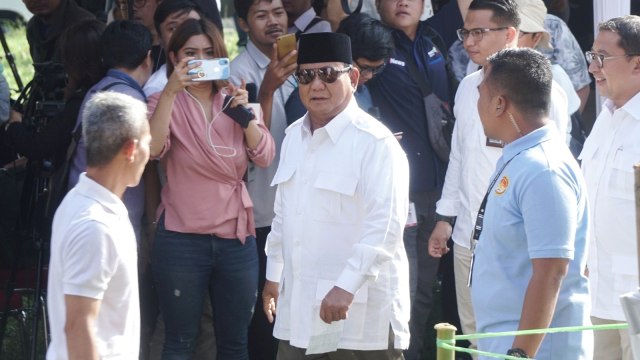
[(446, 21), (398, 96)]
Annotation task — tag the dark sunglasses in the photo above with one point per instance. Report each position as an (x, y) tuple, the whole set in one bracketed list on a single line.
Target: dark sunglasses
[(326, 74), (374, 70)]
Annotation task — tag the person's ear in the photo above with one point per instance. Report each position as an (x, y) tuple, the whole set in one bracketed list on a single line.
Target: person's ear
[(636, 64), (354, 76), (500, 104), (512, 34), (244, 25), (129, 150), (537, 37)]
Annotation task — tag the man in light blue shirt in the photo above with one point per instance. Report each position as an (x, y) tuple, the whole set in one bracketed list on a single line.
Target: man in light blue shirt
[(531, 255)]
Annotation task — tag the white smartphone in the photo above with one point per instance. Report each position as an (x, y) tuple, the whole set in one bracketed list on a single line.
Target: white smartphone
[(210, 69)]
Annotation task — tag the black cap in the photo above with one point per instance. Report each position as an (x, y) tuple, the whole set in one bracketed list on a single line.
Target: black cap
[(324, 47)]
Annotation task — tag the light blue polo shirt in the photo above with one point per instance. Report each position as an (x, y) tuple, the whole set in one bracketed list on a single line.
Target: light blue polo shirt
[(536, 209)]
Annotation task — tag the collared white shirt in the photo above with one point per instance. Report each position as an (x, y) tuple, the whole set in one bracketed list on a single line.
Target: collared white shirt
[(93, 254), (303, 21), (341, 206), (156, 82), (472, 162), (251, 65), (608, 156)]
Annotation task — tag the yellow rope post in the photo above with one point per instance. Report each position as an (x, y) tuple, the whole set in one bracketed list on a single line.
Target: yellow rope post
[(446, 333)]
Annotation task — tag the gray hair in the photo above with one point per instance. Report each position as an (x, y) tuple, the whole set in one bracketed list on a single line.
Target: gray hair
[(109, 121), (628, 27)]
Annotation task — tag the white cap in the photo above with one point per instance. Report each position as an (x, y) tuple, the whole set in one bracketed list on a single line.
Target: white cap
[(532, 13)]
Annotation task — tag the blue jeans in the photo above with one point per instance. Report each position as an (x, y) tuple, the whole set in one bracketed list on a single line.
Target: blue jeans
[(187, 267)]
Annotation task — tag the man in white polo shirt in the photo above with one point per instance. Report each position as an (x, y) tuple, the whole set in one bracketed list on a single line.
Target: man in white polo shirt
[(93, 276)]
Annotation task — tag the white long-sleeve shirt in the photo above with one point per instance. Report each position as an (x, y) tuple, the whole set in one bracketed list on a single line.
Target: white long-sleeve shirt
[(341, 206), (472, 162), (608, 156)]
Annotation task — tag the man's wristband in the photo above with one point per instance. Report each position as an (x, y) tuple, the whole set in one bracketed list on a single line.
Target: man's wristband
[(451, 220), (517, 352)]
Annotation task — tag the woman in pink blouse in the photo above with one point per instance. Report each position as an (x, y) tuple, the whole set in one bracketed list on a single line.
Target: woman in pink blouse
[(205, 240)]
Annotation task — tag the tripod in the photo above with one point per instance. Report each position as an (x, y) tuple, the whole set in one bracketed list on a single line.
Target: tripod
[(37, 206)]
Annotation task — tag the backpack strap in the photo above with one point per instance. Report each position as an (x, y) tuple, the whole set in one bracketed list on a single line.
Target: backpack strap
[(313, 21)]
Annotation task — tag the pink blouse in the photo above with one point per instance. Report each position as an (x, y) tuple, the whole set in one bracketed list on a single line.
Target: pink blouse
[(204, 192)]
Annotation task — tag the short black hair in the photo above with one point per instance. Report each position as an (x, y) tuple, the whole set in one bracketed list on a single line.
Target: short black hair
[(370, 38), (523, 76), (167, 8), (125, 44), (505, 12), (242, 7), (628, 27)]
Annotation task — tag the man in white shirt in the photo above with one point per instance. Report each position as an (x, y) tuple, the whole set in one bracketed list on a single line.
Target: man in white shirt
[(337, 270), (93, 278), (303, 18), (489, 26), (607, 163), (264, 21)]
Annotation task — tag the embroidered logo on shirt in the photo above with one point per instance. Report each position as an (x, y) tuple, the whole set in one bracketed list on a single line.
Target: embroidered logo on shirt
[(397, 62), (502, 185)]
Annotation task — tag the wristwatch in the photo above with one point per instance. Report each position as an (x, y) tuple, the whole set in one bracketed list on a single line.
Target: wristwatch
[(517, 352), (448, 219)]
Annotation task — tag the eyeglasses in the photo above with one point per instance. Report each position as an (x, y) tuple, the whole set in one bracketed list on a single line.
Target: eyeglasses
[(524, 33), (476, 34), (326, 74), (374, 70), (600, 58)]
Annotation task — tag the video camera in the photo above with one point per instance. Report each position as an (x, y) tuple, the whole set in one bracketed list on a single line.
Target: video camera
[(43, 98)]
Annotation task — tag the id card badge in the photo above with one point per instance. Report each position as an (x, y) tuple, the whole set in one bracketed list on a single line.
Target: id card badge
[(412, 218)]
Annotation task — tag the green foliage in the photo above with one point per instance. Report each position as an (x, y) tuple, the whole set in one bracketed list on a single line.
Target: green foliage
[(16, 37)]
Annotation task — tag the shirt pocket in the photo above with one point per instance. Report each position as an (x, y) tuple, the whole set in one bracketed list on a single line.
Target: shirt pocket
[(283, 175), (621, 179), (333, 194)]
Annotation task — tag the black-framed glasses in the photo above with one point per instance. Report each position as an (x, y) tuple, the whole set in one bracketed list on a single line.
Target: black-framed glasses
[(374, 70), (327, 74), (600, 58), (476, 34)]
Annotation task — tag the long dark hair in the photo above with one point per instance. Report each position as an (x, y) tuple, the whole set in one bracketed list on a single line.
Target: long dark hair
[(80, 47)]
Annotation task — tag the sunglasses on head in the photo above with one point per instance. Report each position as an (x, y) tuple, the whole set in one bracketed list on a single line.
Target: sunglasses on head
[(327, 74)]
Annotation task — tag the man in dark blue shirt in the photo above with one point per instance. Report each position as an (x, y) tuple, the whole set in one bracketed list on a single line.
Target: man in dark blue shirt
[(398, 95)]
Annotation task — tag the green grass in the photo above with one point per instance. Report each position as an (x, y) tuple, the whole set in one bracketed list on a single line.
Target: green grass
[(17, 42)]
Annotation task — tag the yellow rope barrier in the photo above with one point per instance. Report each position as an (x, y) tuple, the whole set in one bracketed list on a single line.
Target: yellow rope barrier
[(447, 343)]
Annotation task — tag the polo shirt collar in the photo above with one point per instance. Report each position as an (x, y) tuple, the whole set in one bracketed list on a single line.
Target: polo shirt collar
[(258, 56), (303, 20), (530, 140), (91, 189)]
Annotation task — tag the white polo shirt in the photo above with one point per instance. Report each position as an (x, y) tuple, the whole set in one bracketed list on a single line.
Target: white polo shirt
[(93, 254)]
